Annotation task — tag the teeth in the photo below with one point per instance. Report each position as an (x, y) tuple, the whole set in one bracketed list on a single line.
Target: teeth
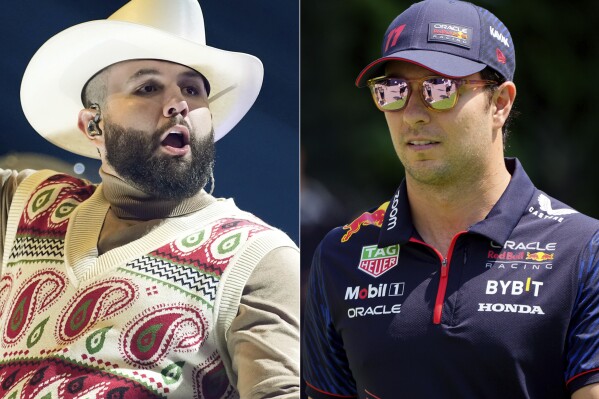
[(421, 142)]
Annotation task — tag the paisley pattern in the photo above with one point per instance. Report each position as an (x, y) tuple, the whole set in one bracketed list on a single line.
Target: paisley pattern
[(37, 333), (42, 200), (98, 302), (44, 221), (190, 242), (211, 382), (144, 331), (211, 249), (58, 379), (164, 330), (35, 295), (95, 341), (172, 373), (63, 211), (5, 286), (53, 201)]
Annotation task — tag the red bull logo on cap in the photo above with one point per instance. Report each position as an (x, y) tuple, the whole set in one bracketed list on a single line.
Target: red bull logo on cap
[(367, 218)]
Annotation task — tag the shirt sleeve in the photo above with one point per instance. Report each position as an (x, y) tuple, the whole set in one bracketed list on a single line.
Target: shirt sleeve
[(9, 181), (263, 339), (582, 362), (325, 365)]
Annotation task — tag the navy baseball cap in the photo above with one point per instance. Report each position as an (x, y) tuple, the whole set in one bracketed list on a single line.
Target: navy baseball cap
[(449, 37)]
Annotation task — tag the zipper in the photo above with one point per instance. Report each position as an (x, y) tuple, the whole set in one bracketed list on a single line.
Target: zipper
[(439, 301), (443, 275)]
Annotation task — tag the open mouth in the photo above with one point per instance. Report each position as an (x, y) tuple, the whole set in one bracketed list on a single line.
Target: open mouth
[(176, 140)]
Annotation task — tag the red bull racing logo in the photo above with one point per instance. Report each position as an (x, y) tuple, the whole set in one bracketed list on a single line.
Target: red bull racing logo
[(375, 218), (539, 256)]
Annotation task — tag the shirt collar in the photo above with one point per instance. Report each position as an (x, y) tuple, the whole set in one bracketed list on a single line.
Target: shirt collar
[(398, 228)]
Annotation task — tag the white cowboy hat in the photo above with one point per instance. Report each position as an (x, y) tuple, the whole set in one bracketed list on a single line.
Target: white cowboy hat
[(142, 29)]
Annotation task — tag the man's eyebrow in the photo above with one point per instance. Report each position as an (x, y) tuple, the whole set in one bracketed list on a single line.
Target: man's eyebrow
[(191, 74), (151, 71), (143, 72)]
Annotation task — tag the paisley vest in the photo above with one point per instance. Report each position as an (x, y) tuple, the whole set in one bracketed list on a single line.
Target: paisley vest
[(145, 320)]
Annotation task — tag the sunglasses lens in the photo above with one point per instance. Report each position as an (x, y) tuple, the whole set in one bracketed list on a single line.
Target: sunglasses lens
[(390, 94), (440, 93)]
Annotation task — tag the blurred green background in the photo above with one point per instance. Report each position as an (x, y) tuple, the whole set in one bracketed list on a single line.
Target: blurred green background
[(345, 141)]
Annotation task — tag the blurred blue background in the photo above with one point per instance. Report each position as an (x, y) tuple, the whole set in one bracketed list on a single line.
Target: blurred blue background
[(256, 163)]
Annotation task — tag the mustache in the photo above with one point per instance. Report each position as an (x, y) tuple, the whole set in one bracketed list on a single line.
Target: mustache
[(173, 121)]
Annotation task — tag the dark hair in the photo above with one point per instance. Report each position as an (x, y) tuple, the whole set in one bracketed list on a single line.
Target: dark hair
[(94, 90), (490, 74)]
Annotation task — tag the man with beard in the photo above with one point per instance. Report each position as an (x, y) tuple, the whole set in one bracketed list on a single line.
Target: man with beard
[(144, 286)]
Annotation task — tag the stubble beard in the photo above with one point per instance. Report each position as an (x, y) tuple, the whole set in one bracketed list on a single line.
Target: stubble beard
[(135, 155), (446, 172)]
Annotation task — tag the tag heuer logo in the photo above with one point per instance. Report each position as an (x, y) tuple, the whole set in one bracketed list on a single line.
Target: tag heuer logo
[(376, 261)]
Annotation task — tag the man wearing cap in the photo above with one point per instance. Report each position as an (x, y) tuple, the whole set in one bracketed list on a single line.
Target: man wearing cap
[(144, 286), (470, 282)]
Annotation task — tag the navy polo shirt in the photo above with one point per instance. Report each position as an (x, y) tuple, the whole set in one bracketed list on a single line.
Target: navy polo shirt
[(511, 311)]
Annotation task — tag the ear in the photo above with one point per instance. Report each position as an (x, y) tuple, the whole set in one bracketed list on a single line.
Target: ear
[(503, 100), (85, 116)]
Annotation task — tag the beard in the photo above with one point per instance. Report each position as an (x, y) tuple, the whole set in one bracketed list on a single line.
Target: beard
[(135, 156)]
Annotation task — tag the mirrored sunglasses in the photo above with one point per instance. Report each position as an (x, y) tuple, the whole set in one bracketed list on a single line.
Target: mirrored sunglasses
[(437, 93)]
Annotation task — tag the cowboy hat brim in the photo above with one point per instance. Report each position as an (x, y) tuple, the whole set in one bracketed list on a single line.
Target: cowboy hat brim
[(53, 81)]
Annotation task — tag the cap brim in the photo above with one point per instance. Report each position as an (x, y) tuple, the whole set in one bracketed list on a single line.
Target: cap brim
[(437, 62), (52, 83)]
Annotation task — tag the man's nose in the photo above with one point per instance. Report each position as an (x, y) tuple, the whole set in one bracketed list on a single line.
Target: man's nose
[(175, 107), (415, 112)]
